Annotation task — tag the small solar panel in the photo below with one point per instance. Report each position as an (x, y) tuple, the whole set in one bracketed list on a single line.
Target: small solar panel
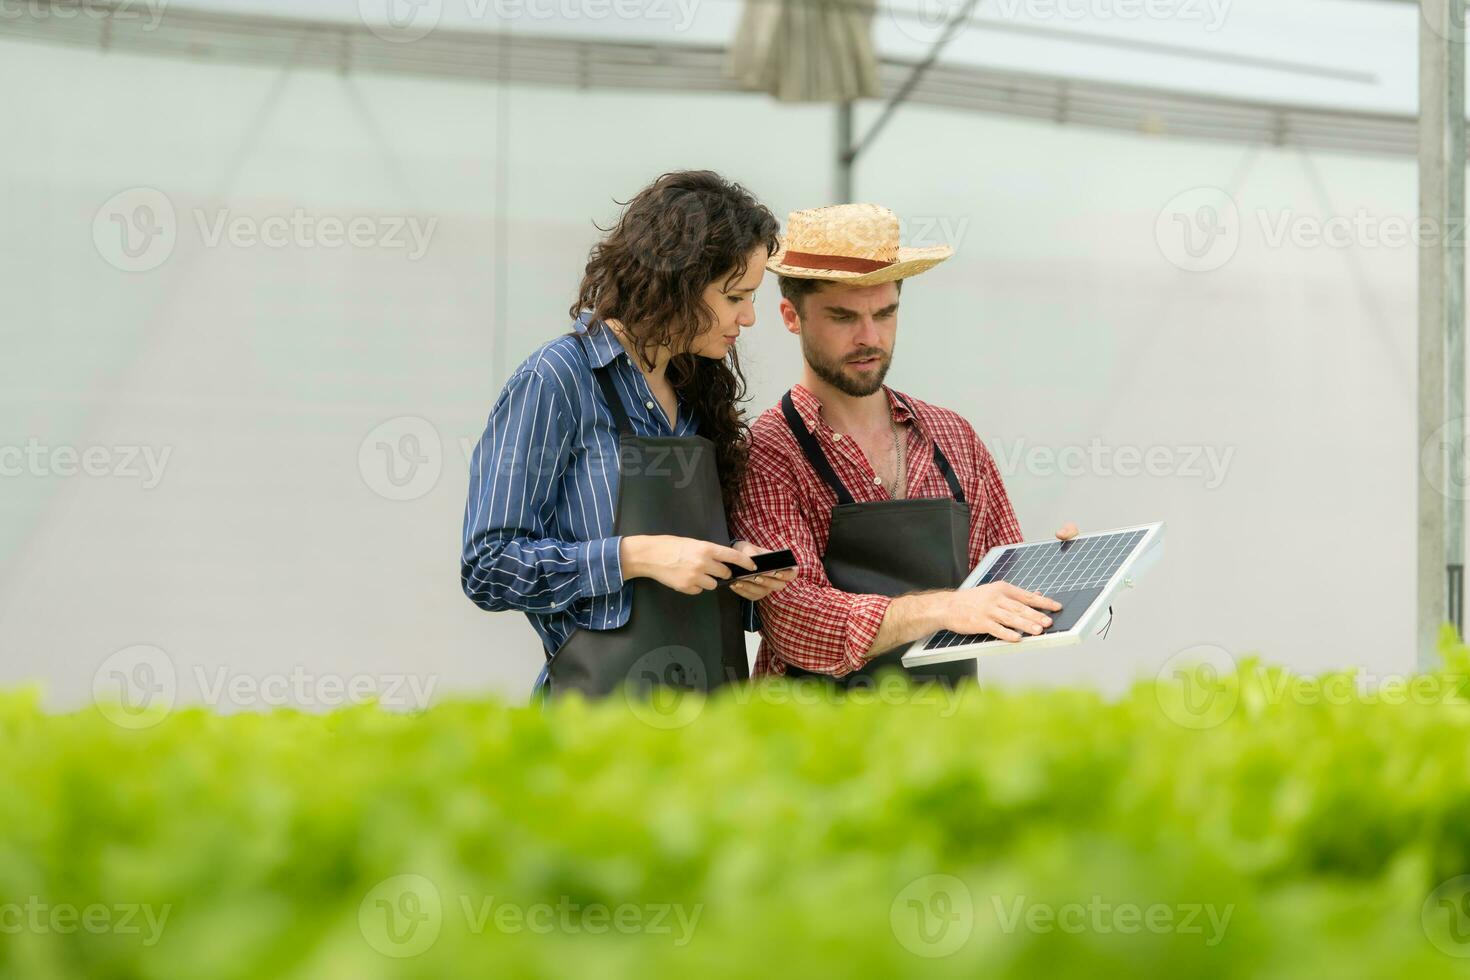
[(1080, 574)]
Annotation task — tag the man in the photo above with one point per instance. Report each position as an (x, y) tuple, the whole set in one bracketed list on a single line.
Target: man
[(887, 501)]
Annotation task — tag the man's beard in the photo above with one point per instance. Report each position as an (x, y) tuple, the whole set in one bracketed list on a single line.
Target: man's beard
[(831, 371)]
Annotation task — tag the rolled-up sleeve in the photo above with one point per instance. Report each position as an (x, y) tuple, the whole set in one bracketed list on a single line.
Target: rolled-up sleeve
[(810, 624), (508, 560)]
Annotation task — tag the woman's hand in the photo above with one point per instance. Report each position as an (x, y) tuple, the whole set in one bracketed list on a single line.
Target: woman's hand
[(759, 586), (685, 565)]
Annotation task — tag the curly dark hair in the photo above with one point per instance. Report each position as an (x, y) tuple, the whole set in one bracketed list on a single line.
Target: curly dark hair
[(675, 237)]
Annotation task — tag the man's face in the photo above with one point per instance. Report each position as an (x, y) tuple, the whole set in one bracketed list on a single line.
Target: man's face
[(847, 334)]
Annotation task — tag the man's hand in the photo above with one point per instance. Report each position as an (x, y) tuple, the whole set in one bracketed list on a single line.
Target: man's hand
[(1003, 610), (1068, 532)]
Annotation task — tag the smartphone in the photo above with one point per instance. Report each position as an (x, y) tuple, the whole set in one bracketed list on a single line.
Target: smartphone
[(771, 561)]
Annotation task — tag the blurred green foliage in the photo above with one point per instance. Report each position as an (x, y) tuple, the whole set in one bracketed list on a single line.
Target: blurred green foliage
[(1207, 824)]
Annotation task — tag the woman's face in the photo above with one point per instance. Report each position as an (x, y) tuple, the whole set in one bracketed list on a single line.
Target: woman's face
[(733, 305)]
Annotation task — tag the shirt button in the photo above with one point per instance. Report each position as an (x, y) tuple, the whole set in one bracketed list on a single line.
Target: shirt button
[(837, 437), (648, 405), (877, 481)]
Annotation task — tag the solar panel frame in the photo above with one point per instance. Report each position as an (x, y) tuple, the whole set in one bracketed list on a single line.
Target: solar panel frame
[(1005, 559)]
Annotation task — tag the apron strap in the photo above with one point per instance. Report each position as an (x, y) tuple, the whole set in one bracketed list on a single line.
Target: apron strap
[(949, 477), (940, 461), (812, 451), (609, 394), (818, 459)]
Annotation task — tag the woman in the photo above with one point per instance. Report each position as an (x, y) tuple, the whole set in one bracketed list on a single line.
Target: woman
[(599, 490)]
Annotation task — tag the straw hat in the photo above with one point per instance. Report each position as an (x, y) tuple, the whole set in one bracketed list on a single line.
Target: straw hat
[(854, 244)]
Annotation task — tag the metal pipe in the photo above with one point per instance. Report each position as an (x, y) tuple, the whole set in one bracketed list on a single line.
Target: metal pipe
[(1441, 507)]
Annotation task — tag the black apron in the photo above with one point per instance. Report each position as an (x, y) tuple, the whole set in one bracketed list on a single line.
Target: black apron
[(891, 547), (666, 485)]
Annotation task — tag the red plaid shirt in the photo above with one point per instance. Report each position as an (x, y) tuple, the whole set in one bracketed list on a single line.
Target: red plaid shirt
[(785, 504)]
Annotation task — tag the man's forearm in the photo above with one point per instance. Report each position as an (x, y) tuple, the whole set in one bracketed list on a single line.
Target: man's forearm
[(910, 617)]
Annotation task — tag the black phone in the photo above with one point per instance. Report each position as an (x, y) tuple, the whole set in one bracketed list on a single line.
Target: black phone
[(771, 561)]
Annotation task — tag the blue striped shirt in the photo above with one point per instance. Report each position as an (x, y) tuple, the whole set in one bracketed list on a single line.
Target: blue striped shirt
[(538, 525)]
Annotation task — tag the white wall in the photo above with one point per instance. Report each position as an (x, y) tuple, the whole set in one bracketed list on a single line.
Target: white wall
[(266, 549)]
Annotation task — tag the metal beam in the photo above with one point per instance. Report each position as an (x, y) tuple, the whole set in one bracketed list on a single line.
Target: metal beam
[(634, 66), (1441, 509), (842, 182)]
